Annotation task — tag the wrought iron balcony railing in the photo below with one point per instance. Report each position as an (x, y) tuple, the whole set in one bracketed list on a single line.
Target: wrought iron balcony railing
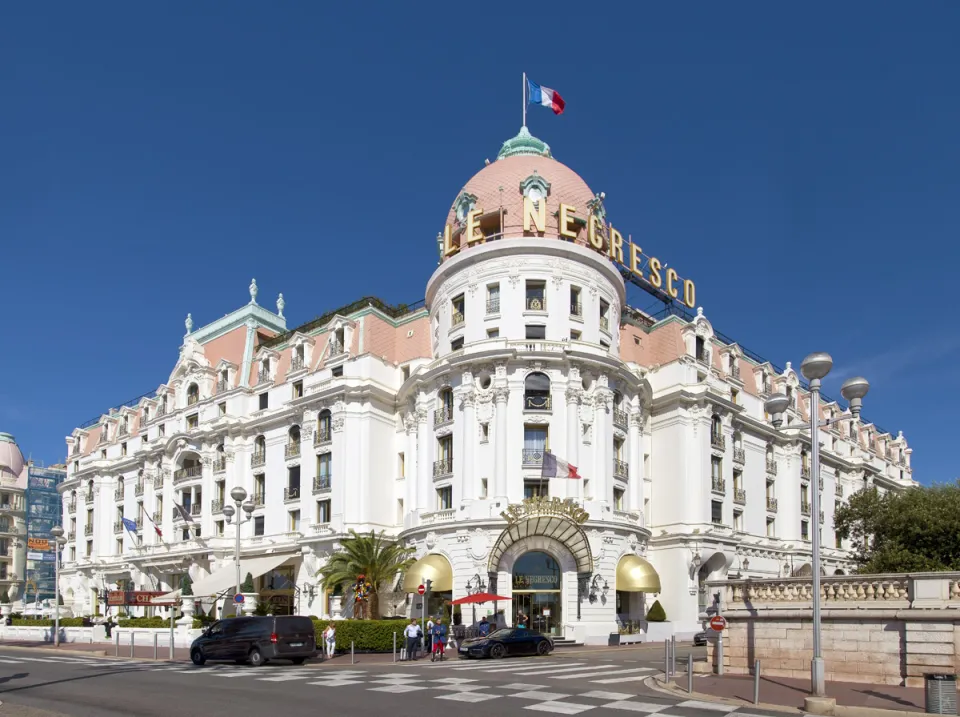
[(258, 458), (739, 455), (740, 496), (456, 318), (321, 484), (88, 529), (292, 449), (138, 489), (771, 466), (536, 402), (443, 467), (443, 414), (772, 505), (493, 306), (220, 464), (536, 303), (576, 309), (619, 418), (222, 386), (804, 508), (216, 505), (323, 435), (532, 457), (718, 485), (184, 474), (620, 468), (604, 323), (291, 493), (296, 363), (718, 441)]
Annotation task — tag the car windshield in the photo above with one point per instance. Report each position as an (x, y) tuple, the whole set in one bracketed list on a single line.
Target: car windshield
[(505, 633)]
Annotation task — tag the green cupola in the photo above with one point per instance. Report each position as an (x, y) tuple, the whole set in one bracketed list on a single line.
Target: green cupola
[(524, 144)]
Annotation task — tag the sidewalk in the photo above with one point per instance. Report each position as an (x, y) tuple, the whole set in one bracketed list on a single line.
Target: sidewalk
[(142, 652), (790, 692)]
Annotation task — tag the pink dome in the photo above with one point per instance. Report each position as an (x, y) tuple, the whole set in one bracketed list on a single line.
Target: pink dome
[(11, 459)]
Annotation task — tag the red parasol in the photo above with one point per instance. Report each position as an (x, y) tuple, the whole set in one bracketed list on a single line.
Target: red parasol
[(478, 598)]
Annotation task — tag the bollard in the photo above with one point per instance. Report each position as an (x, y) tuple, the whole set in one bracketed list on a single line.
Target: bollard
[(132, 633), (666, 660), (394, 647), (155, 644), (116, 643), (756, 682), (673, 655), (351, 652), (690, 673)]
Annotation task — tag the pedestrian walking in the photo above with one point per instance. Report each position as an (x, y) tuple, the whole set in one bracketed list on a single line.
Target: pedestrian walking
[(330, 639), (439, 640), (483, 628), (412, 633)]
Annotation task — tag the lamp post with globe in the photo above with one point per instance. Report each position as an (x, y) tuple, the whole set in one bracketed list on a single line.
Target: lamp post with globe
[(815, 368), (239, 496), (58, 542)]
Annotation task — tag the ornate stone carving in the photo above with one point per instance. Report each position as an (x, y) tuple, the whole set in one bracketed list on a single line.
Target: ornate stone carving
[(431, 540), (421, 415), (501, 370), (410, 422), (337, 424), (574, 395), (501, 394), (253, 291), (479, 547), (445, 430), (468, 399)]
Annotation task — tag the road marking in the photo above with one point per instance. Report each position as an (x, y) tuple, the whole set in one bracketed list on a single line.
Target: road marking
[(524, 686), (539, 695), (10, 662), (618, 680), (560, 708), (647, 707), (284, 678), (468, 697), (335, 683), (593, 672), (554, 671), (601, 695), (397, 688), (707, 706)]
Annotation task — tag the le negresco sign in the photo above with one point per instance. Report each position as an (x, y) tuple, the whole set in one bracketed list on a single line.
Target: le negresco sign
[(532, 507), (627, 254)]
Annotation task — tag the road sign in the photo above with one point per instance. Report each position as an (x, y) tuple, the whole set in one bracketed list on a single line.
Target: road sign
[(421, 589), (238, 598), (718, 623)]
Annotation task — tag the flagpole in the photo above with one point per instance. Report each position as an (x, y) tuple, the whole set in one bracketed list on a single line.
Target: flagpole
[(524, 99)]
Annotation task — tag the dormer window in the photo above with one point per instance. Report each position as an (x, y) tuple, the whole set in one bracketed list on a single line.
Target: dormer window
[(463, 206), (223, 381), (297, 361), (337, 346), (193, 394), (264, 375), (535, 188), (457, 311)]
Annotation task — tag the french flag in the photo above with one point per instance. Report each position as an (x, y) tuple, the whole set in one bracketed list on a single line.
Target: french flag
[(545, 96), (553, 467)]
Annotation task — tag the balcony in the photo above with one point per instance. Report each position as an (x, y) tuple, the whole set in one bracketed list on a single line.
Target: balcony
[(493, 306), (703, 355), (220, 464), (196, 509), (216, 505), (532, 457), (740, 496), (739, 455), (259, 500), (804, 508), (323, 435), (443, 467), (258, 458), (820, 483), (771, 466), (620, 468), (443, 414), (321, 484), (138, 489), (605, 323), (71, 535), (296, 363), (193, 399), (88, 495), (118, 495), (291, 493), (576, 309), (456, 319), (821, 517), (620, 418), (222, 386), (336, 348), (536, 303), (188, 473), (72, 506), (718, 485), (88, 529), (161, 410), (157, 516), (838, 491), (718, 441), (439, 516), (804, 472), (118, 527), (292, 449), (735, 370), (536, 402), (772, 505)]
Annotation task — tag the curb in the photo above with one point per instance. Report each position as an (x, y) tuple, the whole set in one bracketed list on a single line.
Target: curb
[(88, 653), (834, 710)]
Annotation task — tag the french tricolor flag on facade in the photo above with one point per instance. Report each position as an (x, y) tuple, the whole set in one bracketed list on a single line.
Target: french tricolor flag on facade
[(538, 95), (553, 467)]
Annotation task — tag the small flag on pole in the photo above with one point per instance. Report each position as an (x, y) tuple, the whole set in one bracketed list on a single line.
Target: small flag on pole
[(130, 525), (184, 513), (155, 526), (553, 467), (545, 97)]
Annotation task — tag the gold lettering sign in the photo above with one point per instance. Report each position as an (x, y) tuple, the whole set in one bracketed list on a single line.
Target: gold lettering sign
[(623, 252), (545, 506)]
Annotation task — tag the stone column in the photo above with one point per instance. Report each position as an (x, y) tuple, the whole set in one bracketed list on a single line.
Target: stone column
[(467, 489), (424, 466), (500, 396), (410, 461), (603, 442), (635, 456), (573, 488)]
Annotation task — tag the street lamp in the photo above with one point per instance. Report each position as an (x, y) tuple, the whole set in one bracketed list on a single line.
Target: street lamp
[(814, 368), (239, 498), (58, 542)]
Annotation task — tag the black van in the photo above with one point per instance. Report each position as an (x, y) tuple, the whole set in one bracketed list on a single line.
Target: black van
[(256, 640)]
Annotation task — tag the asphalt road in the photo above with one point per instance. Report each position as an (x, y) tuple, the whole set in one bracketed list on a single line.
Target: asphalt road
[(605, 683)]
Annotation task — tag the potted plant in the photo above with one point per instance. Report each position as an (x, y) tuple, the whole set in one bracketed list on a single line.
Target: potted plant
[(5, 607), (186, 594), (249, 593), (658, 627)]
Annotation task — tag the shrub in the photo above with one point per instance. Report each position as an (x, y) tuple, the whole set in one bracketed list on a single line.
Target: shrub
[(656, 613), (186, 586), (366, 635), (144, 622), (4, 598), (46, 622), (247, 585)]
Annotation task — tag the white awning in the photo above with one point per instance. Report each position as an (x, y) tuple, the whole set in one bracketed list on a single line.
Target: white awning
[(226, 577)]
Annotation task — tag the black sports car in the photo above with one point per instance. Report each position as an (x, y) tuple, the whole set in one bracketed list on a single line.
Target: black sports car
[(509, 641)]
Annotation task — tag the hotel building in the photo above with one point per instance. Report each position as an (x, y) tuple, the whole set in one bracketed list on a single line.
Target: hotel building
[(431, 423)]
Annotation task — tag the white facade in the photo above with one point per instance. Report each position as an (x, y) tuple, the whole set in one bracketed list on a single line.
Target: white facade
[(430, 423)]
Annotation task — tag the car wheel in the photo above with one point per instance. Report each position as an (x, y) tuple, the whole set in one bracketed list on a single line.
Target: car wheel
[(497, 651), (255, 658), (197, 657), (543, 648), (298, 660)]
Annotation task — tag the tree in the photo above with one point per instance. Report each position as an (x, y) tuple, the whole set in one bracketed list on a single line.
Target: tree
[(915, 530), (377, 559)]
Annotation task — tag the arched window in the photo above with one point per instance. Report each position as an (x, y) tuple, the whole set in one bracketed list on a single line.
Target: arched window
[(444, 406), (804, 463), (259, 456), (536, 392), (193, 394), (293, 434), (716, 429), (324, 427), (4, 523), (260, 444), (738, 440)]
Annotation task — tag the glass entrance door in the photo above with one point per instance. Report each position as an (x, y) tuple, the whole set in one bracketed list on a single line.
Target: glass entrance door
[(542, 607), (536, 592)]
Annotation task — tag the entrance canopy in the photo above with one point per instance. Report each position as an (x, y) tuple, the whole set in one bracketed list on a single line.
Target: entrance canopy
[(226, 577), (435, 568), (634, 574), (558, 527)]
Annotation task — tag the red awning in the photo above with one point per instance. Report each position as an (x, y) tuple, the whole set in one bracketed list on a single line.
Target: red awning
[(478, 597)]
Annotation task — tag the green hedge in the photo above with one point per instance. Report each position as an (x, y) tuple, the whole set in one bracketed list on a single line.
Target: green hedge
[(45, 622), (366, 635)]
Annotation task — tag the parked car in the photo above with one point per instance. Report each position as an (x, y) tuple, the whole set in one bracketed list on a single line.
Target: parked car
[(256, 640), (508, 641), (700, 639)]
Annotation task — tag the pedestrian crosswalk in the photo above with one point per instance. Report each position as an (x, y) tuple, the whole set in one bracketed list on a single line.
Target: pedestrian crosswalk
[(601, 673)]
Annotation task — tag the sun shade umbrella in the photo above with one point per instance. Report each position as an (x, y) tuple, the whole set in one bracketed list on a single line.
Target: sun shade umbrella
[(478, 598)]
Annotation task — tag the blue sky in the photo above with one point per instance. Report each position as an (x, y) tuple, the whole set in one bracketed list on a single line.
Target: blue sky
[(801, 166)]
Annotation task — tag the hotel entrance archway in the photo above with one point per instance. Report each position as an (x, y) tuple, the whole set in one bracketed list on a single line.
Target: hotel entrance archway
[(537, 592)]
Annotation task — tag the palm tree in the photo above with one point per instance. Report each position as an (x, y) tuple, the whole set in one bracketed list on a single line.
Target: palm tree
[(371, 556)]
